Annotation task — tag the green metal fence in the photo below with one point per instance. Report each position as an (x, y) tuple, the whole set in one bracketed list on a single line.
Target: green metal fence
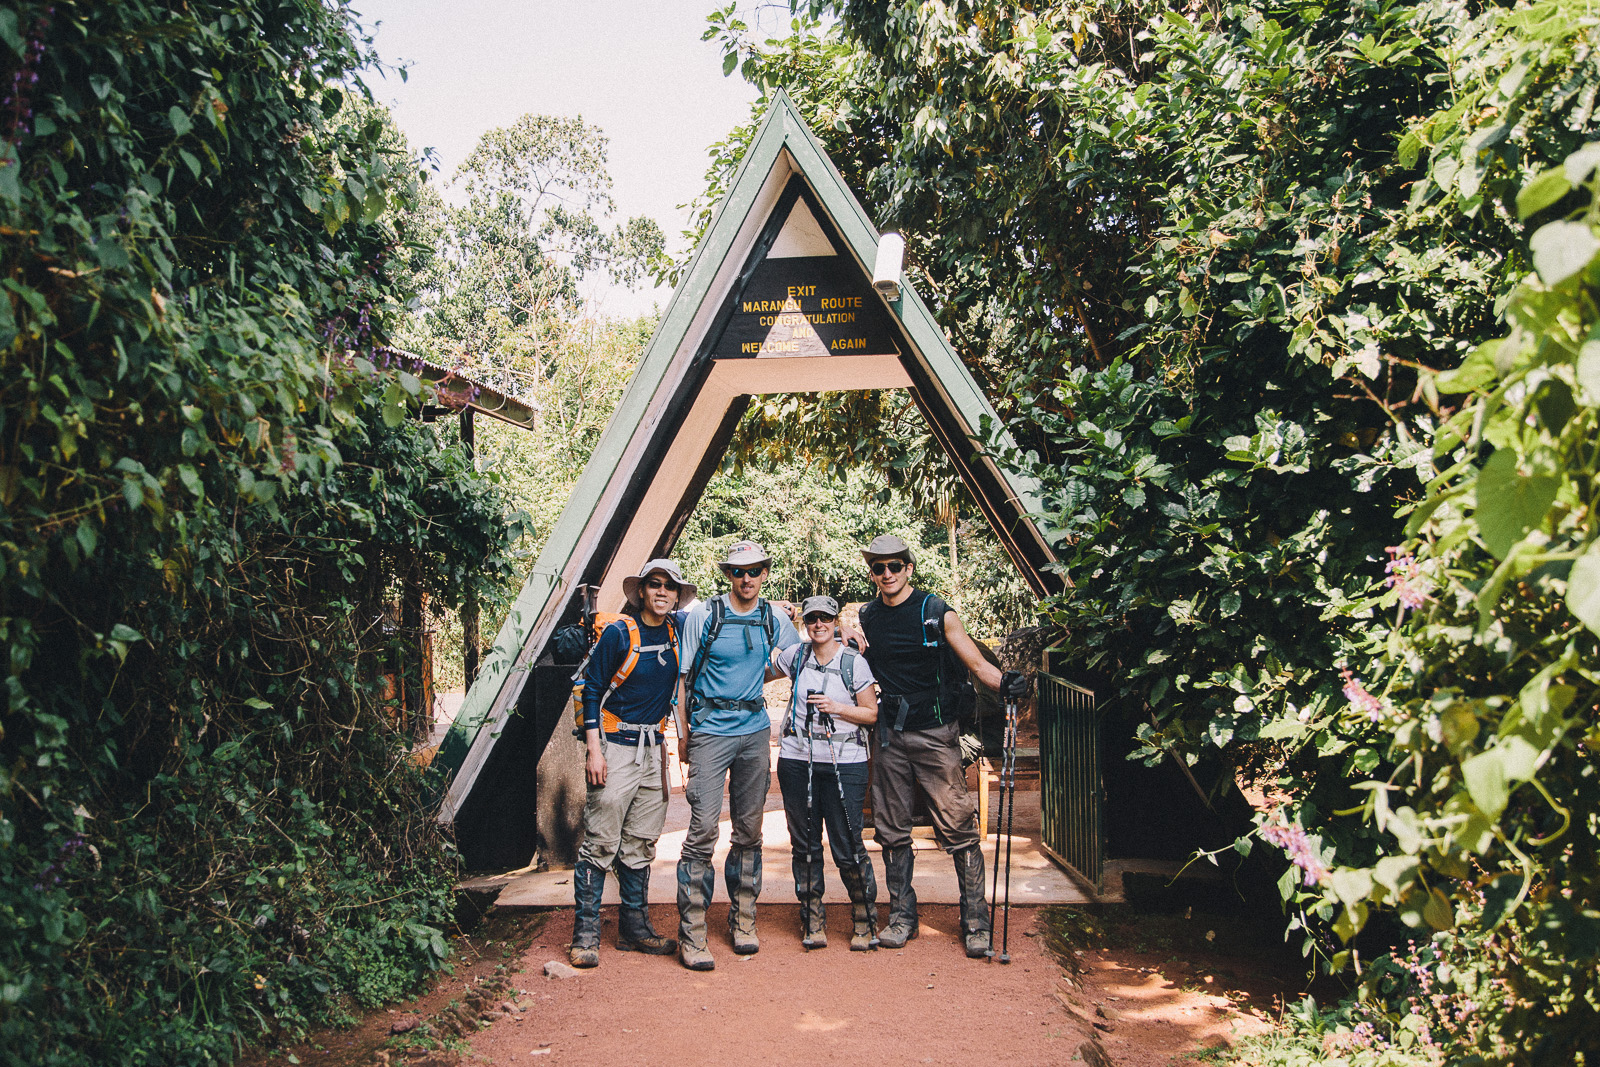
[(1072, 790)]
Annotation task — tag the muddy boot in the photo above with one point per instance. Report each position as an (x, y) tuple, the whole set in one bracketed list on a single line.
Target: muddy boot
[(974, 911), (863, 907), (588, 885), (743, 875), (696, 880), (898, 866), (634, 932), (808, 887)]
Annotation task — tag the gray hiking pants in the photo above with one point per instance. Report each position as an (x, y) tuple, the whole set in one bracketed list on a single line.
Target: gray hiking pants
[(745, 763), (623, 818), (930, 758)]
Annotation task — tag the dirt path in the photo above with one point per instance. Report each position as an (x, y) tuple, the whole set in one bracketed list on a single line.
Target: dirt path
[(926, 1003), (1118, 987)]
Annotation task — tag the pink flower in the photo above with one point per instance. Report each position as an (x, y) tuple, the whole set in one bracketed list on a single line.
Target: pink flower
[(1359, 698), (1293, 840), (1405, 578)]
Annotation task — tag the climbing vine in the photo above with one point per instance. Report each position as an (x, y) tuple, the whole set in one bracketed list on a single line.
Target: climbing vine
[(210, 490)]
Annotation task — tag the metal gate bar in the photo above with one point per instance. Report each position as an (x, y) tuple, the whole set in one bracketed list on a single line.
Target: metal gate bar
[(1073, 792)]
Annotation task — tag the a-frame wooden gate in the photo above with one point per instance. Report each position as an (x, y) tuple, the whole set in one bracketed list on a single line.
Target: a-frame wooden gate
[(777, 299)]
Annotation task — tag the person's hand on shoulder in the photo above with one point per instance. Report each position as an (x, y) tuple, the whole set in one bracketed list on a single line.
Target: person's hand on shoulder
[(852, 637)]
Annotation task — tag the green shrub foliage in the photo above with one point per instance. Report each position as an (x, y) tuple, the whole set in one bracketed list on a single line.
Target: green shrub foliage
[(1255, 283), (209, 488), (1486, 698)]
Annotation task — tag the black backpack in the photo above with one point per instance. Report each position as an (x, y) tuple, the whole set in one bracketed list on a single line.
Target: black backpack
[(957, 698)]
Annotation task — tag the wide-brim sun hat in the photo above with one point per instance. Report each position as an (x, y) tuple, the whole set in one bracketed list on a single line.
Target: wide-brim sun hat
[(745, 554), (888, 546), (687, 590)]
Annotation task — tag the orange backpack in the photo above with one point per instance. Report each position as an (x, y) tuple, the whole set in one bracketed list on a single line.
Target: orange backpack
[(609, 722)]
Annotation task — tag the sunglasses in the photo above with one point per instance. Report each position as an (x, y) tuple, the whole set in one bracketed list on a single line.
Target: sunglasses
[(744, 572), (661, 583), (893, 566), (812, 620)]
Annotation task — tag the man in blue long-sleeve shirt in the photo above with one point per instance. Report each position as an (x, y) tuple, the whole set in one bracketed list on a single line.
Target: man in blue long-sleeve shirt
[(626, 804)]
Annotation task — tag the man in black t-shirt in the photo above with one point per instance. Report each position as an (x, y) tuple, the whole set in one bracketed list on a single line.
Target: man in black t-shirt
[(910, 634)]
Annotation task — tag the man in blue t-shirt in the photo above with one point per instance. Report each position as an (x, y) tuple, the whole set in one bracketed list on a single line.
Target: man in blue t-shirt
[(728, 644), (626, 804)]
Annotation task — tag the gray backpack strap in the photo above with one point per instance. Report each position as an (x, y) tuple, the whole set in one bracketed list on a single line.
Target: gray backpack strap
[(718, 609), (794, 691)]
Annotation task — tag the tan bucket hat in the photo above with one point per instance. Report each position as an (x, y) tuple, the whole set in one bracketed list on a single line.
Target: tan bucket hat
[(886, 546), (686, 588)]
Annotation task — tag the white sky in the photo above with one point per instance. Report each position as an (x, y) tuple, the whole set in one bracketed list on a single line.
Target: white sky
[(635, 68)]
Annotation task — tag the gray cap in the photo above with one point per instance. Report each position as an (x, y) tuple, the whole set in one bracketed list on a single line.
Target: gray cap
[(888, 545), (686, 588), (819, 605), (744, 553)]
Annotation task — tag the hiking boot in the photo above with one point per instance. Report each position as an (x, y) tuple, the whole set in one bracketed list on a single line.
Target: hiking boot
[(695, 883), (742, 872), (898, 866), (808, 888), (634, 932), (588, 885), (863, 907), (974, 912)]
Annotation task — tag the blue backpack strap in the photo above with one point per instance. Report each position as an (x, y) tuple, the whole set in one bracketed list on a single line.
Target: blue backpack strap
[(677, 660), (931, 622), (935, 623)]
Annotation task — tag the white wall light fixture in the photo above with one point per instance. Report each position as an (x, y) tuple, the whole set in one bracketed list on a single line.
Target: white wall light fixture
[(886, 271)]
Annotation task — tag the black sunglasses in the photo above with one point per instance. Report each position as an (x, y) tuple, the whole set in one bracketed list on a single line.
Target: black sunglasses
[(744, 572), (661, 583), (809, 619), (893, 566)]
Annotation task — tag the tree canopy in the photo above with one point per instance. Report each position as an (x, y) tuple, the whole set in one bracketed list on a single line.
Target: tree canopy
[(502, 281)]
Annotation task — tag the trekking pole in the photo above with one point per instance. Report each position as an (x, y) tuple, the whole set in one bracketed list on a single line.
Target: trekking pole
[(810, 754), (999, 822), (856, 845), (1011, 814)]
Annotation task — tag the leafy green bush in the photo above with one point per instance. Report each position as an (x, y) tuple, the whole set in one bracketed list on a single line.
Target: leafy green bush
[(815, 526), (1311, 1036), (209, 831), (1486, 699), (1257, 278)]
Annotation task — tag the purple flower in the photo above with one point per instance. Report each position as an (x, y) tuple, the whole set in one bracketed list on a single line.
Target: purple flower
[(1293, 840), (1359, 698), (1406, 578)]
